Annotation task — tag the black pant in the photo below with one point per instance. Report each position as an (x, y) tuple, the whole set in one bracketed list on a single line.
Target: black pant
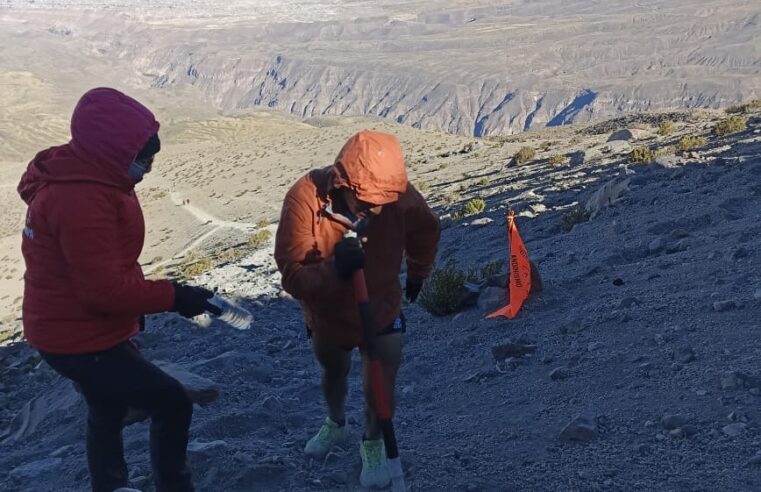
[(113, 380)]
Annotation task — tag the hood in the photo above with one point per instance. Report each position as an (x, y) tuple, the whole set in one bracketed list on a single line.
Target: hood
[(108, 129), (372, 165)]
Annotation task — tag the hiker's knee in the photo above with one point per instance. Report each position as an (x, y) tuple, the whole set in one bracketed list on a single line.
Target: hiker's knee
[(334, 361)]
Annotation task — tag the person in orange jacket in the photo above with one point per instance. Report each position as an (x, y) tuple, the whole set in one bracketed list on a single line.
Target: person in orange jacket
[(368, 181)]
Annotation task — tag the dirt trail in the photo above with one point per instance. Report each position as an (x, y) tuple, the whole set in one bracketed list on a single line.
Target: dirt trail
[(207, 219)]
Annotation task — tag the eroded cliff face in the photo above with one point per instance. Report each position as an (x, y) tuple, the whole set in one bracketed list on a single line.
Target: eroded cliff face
[(467, 69)]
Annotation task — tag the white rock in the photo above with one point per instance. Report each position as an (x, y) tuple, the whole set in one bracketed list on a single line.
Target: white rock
[(656, 245), (617, 146), (667, 161), (595, 346), (57, 400), (60, 452), (756, 460), (482, 221), (731, 380), (36, 469), (607, 195), (733, 430), (492, 298), (200, 389), (200, 446)]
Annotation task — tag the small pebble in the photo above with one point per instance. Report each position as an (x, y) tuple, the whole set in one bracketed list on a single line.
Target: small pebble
[(722, 306)]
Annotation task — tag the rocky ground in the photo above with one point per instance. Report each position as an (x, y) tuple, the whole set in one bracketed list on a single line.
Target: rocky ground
[(639, 370)]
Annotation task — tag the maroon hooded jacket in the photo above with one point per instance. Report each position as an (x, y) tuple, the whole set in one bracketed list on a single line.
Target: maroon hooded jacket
[(84, 290)]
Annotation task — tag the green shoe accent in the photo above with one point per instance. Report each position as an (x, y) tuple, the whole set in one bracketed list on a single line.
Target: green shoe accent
[(374, 471), (329, 436)]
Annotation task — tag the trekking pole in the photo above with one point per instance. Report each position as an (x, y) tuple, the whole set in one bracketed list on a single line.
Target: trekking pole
[(381, 393)]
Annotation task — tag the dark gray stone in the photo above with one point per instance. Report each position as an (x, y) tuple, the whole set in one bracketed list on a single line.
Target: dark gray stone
[(684, 355), (492, 298), (559, 373), (671, 422), (582, 428), (508, 350)]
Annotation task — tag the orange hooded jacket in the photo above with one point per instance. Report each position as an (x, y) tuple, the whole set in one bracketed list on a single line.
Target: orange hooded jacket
[(372, 165)]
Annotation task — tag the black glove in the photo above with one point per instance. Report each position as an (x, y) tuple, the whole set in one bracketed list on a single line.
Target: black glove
[(348, 257), (412, 289), (191, 301)]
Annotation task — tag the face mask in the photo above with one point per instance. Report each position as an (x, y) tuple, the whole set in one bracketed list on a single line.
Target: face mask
[(137, 171)]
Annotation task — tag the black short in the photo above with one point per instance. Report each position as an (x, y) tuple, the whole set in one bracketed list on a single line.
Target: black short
[(399, 325)]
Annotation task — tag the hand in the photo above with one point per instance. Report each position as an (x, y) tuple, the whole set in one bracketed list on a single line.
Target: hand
[(348, 257), (191, 301), (412, 289)]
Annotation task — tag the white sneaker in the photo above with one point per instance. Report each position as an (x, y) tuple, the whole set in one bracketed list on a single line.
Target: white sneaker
[(374, 470), (329, 436)]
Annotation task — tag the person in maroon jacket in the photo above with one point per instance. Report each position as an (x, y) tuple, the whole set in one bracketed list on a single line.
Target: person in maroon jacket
[(84, 290)]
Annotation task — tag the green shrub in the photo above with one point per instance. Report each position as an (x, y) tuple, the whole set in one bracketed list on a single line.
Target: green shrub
[(691, 142), (745, 108), (488, 270), (666, 128), (576, 215), (524, 155), (259, 238), (194, 266), (232, 254), (262, 223), (558, 159), (646, 155), (733, 124), (669, 150), (473, 207), (422, 186), (641, 154), (483, 182), (452, 197), (442, 293)]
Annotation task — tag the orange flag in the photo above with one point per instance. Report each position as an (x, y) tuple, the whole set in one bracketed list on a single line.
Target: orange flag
[(519, 278)]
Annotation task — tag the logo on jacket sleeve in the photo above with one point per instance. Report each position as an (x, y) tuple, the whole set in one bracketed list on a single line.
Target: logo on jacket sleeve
[(28, 231)]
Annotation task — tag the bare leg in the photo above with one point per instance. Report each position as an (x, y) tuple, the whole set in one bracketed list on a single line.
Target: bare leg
[(389, 349), (335, 363)]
